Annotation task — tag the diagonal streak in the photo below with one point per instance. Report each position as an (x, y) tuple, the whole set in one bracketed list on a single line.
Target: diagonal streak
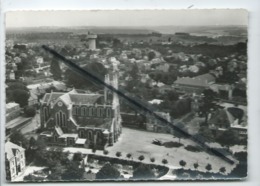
[(90, 76)]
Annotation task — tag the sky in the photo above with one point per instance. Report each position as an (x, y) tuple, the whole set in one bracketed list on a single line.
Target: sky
[(127, 18)]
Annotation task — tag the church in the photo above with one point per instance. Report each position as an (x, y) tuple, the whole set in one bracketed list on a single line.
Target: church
[(81, 119)]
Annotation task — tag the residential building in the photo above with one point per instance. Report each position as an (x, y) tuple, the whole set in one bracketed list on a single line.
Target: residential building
[(194, 85), (229, 118), (12, 111), (14, 160)]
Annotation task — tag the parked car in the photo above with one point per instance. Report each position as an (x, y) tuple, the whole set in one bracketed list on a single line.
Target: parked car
[(157, 142)]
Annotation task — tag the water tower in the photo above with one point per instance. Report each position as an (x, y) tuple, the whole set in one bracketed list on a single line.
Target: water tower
[(92, 41)]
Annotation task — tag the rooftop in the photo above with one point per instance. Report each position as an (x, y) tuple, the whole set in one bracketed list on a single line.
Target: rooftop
[(11, 149), (202, 80), (72, 97)]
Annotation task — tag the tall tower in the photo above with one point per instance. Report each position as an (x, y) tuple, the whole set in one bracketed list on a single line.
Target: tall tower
[(92, 41), (116, 104)]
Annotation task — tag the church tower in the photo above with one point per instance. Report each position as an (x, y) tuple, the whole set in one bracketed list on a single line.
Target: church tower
[(116, 104), (112, 80)]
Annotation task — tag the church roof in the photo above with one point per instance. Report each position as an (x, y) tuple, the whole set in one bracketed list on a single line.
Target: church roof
[(11, 149), (72, 97), (84, 98), (66, 99), (52, 96)]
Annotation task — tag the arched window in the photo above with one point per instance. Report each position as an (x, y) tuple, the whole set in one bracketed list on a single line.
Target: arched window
[(94, 111), (78, 111), (57, 119), (108, 112), (98, 112), (90, 135), (102, 112), (83, 111), (45, 113), (90, 111), (60, 119), (81, 134), (63, 120), (86, 111), (99, 137)]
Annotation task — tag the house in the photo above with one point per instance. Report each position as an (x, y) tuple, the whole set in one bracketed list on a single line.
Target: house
[(88, 120), (229, 118), (194, 85), (14, 160), (225, 91), (163, 67), (12, 111)]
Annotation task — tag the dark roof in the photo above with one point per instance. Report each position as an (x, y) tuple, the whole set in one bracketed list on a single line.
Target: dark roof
[(237, 113)]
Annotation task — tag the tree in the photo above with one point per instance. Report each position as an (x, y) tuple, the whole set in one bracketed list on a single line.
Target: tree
[(222, 170), (77, 81), (195, 165), (143, 172), (108, 172), (56, 173), (77, 157), (182, 163), (32, 142), (207, 102), (19, 139), (129, 155), (73, 172), (227, 138), (134, 73), (55, 69), (164, 161), (118, 154), (141, 158), (51, 157), (21, 97), (29, 111), (171, 96), (152, 159), (208, 167), (117, 43), (151, 55), (13, 85)]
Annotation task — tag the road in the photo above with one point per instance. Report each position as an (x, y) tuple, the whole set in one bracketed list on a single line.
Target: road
[(29, 129)]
